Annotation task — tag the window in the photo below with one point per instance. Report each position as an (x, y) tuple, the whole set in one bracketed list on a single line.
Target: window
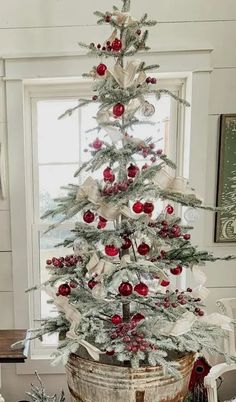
[(55, 149)]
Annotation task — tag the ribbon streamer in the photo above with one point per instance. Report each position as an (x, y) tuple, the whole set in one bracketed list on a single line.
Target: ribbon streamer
[(185, 323), (200, 278), (99, 266), (89, 189), (166, 182), (126, 77), (124, 19), (74, 317)]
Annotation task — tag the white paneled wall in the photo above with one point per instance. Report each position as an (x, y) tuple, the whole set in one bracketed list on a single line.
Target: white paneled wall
[(39, 27)]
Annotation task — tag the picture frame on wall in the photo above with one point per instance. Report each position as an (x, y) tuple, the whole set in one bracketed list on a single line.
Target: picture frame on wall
[(225, 226)]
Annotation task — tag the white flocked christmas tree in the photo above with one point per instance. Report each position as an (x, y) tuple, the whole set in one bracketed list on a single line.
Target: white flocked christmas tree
[(116, 294)]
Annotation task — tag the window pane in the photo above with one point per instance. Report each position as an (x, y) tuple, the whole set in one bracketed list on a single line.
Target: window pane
[(55, 136), (51, 179)]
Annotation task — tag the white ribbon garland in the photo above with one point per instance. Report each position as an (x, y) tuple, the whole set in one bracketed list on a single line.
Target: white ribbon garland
[(123, 18), (185, 323), (126, 77), (166, 182), (74, 317)]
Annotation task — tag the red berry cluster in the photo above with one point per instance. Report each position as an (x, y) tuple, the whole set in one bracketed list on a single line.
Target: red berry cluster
[(126, 332), (151, 80), (61, 262), (114, 46), (172, 231), (181, 299), (139, 207)]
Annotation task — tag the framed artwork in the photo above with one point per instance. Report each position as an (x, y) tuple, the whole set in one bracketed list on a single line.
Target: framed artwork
[(225, 228)]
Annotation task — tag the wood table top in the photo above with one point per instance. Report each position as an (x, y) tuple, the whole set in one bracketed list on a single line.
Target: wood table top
[(7, 338)]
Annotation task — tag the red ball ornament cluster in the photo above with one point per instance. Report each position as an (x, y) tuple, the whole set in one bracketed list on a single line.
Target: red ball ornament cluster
[(139, 207), (151, 80), (63, 262), (101, 69)]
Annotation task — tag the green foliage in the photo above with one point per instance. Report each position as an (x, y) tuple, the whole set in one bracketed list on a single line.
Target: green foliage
[(38, 393)]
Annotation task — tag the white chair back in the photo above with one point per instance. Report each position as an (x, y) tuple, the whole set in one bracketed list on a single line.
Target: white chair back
[(227, 306)]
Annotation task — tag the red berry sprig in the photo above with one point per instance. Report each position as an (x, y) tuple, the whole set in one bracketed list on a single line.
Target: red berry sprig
[(151, 80)]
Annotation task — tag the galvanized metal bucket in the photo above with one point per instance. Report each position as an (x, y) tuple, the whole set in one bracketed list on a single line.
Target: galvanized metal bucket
[(90, 381)]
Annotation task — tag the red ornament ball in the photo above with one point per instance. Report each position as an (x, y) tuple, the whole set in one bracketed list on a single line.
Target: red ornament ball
[(101, 225), (187, 236), (177, 270), (88, 216), (116, 319), (132, 170), (169, 209), (125, 289), (116, 45), (101, 69), (165, 283), (143, 249), (148, 207), (138, 207), (142, 289), (97, 144), (108, 174), (92, 283), (64, 289), (118, 109), (137, 317), (126, 243), (111, 250)]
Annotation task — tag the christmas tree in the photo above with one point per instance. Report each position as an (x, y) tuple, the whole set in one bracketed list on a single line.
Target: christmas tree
[(115, 295)]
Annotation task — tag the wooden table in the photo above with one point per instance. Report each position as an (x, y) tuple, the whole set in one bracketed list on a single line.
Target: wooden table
[(7, 338)]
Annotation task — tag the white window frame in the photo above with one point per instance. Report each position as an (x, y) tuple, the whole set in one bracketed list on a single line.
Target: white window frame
[(192, 66)]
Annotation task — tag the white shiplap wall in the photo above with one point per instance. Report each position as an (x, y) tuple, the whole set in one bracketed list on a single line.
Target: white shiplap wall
[(36, 27)]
